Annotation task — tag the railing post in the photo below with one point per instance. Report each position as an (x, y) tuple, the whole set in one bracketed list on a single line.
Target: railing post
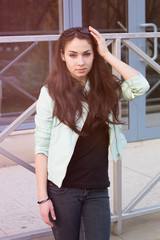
[(60, 14), (117, 167), (117, 196)]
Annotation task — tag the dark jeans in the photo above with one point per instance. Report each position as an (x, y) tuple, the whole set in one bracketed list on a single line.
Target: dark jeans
[(80, 213)]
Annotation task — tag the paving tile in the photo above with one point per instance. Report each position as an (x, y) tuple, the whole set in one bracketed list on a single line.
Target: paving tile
[(142, 228), (19, 211), (115, 237), (143, 157), (17, 219), (20, 185)]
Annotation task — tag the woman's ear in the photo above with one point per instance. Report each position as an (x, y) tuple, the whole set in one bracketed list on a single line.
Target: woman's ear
[(62, 55)]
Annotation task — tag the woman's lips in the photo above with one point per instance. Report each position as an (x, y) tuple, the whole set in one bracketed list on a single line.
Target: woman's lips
[(81, 70)]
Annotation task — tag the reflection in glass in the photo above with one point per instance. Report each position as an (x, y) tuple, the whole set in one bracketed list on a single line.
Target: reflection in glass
[(153, 96), (28, 17), (21, 83), (153, 99), (106, 16)]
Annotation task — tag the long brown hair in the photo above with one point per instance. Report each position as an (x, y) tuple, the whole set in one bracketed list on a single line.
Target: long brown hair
[(68, 93)]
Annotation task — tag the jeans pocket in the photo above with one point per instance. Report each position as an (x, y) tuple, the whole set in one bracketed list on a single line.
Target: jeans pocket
[(52, 188)]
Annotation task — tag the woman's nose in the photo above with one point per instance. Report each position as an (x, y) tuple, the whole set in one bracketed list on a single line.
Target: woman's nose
[(80, 60)]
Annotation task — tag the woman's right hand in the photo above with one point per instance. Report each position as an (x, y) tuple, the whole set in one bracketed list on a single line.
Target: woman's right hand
[(47, 208)]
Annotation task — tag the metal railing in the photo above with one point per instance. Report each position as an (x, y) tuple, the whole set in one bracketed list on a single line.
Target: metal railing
[(115, 39)]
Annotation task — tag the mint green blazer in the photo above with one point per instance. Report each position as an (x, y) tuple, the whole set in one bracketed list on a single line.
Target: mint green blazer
[(57, 141)]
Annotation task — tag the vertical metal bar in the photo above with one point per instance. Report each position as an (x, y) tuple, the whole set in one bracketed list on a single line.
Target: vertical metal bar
[(116, 51), (117, 196), (117, 167), (136, 16), (67, 14), (77, 13), (60, 15), (72, 11), (50, 46)]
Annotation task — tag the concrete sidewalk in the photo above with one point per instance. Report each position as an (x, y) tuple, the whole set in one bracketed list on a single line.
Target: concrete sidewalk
[(19, 212), (142, 228)]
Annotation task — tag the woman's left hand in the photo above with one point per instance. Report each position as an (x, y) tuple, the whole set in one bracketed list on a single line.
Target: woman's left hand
[(101, 44), (124, 69)]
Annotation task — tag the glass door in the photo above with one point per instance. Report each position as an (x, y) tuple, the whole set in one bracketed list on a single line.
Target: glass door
[(152, 48), (122, 16)]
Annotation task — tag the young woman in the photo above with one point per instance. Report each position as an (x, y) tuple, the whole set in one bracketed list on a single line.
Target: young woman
[(76, 121)]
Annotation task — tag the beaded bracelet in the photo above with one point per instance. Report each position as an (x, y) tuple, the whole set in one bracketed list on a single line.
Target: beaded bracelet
[(43, 201)]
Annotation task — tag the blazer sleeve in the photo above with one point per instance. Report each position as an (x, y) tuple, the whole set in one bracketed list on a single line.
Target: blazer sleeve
[(43, 122), (134, 87)]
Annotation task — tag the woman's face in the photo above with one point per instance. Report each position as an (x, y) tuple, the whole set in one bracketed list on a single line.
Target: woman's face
[(78, 55)]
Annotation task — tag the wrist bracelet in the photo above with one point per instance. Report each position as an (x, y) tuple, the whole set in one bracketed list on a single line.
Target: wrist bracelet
[(43, 201)]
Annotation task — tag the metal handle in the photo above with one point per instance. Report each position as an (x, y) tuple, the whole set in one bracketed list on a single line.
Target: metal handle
[(155, 39)]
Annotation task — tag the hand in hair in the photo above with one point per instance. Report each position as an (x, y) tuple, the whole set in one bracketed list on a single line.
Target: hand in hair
[(124, 69), (101, 44)]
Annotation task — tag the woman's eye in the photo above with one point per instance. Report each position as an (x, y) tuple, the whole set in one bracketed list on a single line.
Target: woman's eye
[(72, 55), (87, 54)]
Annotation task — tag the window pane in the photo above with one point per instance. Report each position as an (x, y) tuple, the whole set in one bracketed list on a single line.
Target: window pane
[(106, 16), (28, 16), (153, 96), (20, 84)]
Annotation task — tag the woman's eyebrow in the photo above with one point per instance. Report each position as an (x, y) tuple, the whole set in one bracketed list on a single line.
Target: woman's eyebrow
[(72, 51), (77, 52), (87, 51)]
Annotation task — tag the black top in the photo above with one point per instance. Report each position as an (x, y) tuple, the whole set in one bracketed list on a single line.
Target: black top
[(88, 167)]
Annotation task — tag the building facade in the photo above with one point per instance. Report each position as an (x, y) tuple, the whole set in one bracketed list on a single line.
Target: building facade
[(20, 83)]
